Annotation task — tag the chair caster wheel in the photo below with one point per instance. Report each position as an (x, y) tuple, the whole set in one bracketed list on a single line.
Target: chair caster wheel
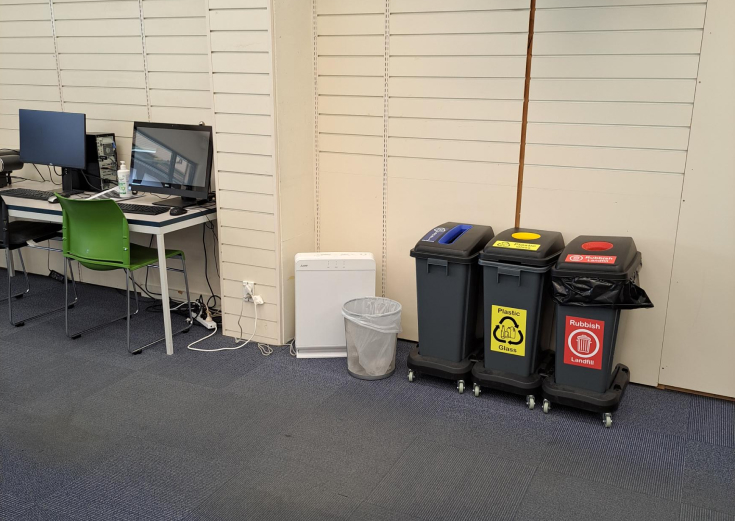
[(18, 297), (74, 337), (19, 324)]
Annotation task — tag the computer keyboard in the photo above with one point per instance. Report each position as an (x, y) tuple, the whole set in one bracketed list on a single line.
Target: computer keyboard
[(142, 209), (38, 195), (41, 195)]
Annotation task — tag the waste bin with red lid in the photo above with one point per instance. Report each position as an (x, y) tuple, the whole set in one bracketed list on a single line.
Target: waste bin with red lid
[(594, 279)]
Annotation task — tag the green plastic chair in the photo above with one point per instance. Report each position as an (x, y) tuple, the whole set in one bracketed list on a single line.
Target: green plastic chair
[(96, 235)]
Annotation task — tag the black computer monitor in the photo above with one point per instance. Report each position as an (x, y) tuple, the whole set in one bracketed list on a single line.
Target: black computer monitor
[(53, 138), (173, 160)]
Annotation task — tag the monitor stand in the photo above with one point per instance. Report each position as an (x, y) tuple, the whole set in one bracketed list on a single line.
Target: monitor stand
[(179, 202)]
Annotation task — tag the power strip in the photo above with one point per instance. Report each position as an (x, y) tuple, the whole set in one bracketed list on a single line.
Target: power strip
[(208, 325)]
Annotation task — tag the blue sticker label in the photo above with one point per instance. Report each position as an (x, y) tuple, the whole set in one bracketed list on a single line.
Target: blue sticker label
[(433, 235)]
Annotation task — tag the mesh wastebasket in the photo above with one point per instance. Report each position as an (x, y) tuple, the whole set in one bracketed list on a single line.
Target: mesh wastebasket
[(372, 325)]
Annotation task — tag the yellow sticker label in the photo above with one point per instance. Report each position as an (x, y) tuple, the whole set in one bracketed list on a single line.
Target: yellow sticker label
[(516, 245), (508, 330)]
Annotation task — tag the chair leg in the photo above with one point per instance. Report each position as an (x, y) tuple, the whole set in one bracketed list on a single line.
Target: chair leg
[(127, 301), (66, 296), (190, 318), (66, 303), (10, 297), (8, 262), (25, 271), (28, 285), (135, 292), (76, 335)]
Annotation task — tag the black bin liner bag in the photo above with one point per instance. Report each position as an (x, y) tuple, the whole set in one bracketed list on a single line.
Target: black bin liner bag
[(595, 292)]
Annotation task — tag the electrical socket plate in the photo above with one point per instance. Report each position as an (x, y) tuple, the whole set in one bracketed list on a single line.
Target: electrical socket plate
[(248, 289)]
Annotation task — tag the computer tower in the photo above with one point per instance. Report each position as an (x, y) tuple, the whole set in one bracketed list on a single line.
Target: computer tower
[(101, 171)]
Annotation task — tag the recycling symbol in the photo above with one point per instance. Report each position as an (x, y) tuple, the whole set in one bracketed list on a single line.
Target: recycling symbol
[(508, 333)]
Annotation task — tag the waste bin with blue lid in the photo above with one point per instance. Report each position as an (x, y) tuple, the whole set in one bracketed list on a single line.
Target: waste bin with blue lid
[(449, 291), (594, 279), (518, 310)]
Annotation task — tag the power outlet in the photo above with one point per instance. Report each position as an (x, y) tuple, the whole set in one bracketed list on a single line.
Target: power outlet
[(248, 290)]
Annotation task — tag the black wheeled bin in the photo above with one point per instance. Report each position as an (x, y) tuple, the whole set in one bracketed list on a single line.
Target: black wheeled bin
[(518, 310), (594, 279), (449, 292)]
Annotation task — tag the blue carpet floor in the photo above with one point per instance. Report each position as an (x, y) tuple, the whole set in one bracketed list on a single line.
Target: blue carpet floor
[(89, 432)]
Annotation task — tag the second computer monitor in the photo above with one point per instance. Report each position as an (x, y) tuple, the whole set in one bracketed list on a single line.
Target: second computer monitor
[(173, 160), (52, 138)]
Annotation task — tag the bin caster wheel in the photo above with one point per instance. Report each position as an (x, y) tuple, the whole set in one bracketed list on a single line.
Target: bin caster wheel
[(607, 420), (460, 386), (531, 401), (411, 375), (477, 390), (546, 406)]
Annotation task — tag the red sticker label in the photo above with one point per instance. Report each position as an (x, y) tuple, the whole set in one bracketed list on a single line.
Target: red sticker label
[(592, 259), (583, 342)]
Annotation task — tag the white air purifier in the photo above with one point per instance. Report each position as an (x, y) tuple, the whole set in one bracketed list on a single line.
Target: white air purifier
[(324, 282)]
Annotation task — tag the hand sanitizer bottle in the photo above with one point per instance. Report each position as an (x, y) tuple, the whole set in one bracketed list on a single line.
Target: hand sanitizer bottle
[(123, 177)]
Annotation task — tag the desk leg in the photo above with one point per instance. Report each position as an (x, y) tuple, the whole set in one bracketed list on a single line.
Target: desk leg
[(163, 275)]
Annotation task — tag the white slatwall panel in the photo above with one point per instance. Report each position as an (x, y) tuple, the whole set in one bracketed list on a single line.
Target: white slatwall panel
[(456, 97), (350, 86), (243, 107), (102, 65), (28, 76), (177, 59), (613, 84), (612, 92)]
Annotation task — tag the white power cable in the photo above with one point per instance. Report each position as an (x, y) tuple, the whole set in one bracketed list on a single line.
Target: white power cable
[(204, 338), (265, 349)]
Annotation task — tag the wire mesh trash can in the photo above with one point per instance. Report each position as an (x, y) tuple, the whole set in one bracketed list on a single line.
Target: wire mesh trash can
[(449, 293), (594, 279), (372, 325), (518, 310)]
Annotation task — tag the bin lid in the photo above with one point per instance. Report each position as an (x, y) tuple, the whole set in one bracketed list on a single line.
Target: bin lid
[(611, 258), (452, 241), (524, 246)]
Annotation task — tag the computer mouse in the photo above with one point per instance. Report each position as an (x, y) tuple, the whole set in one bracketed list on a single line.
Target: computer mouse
[(53, 199), (177, 211)]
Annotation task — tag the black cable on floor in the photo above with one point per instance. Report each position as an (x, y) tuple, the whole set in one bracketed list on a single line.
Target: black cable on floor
[(213, 298)]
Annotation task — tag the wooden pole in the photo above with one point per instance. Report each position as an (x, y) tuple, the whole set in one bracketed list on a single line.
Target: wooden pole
[(524, 119)]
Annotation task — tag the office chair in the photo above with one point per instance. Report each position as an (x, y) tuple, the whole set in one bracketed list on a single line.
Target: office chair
[(14, 237), (96, 235)]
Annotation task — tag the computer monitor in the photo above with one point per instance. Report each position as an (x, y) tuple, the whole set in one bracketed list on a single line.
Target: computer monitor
[(53, 138), (173, 160)]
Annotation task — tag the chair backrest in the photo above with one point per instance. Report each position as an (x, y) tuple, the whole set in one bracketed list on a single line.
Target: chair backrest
[(95, 231), (5, 232)]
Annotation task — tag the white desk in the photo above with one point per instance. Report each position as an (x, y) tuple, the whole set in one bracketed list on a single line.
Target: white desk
[(158, 225)]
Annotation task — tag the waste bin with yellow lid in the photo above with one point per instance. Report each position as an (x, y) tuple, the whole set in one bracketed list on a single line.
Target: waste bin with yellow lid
[(517, 311)]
